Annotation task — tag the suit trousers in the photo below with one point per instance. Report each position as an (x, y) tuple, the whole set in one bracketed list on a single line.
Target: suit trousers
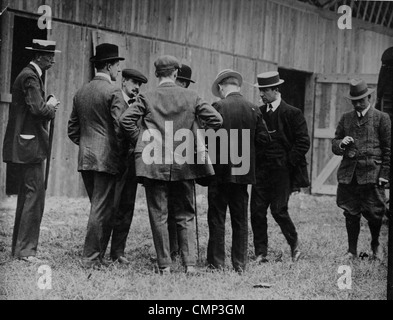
[(120, 223), (181, 193), (220, 196), (100, 187), (271, 189), (29, 209)]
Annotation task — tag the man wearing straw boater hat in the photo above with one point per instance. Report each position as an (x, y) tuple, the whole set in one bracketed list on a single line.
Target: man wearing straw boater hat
[(94, 127), (363, 139), (276, 166), (229, 185), (26, 145)]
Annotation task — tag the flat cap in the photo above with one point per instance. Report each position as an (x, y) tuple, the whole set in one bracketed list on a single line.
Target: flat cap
[(165, 63), (134, 75)]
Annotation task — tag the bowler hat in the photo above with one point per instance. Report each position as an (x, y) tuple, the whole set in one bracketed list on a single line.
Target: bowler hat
[(134, 75), (166, 63), (358, 89), (106, 52), (43, 46), (268, 79), (185, 73), (226, 73)]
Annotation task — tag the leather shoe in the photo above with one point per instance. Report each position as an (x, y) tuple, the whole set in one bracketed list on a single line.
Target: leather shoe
[(122, 260), (261, 259), (378, 253), (191, 271), (295, 252), (349, 256), (32, 260), (165, 271)]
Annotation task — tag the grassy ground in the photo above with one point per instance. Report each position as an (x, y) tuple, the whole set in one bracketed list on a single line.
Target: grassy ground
[(320, 226)]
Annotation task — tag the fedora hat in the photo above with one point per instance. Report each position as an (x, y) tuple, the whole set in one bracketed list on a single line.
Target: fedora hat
[(226, 73), (358, 89), (166, 63), (106, 52), (43, 46), (134, 75), (268, 79), (185, 73)]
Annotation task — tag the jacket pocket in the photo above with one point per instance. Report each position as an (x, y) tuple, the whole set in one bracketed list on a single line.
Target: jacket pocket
[(27, 148)]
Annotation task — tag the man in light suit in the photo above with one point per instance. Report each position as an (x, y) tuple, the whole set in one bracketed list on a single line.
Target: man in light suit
[(166, 111), (276, 164), (363, 139), (94, 127), (229, 187), (126, 187), (26, 145)]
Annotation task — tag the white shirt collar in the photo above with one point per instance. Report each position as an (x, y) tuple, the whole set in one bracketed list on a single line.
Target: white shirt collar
[(166, 80), (125, 96), (37, 68), (234, 91), (276, 102), (364, 111), (107, 76)]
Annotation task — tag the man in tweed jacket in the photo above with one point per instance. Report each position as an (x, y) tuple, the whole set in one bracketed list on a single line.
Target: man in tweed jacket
[(164, 178), (363, 139)]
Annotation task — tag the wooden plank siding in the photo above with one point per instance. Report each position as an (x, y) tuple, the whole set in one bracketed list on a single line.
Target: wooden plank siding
[(250, 36)]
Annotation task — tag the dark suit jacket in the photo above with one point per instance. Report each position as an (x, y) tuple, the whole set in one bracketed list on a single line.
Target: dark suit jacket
[(94, 126), (28, 115), (371, 148), (239, 114), (293, 133), (169, 105)]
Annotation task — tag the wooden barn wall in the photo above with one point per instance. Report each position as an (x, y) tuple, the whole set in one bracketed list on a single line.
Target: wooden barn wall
[(292, 34), (251, 36)]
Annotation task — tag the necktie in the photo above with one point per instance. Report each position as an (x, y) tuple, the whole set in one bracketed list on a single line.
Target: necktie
[(269, 109)]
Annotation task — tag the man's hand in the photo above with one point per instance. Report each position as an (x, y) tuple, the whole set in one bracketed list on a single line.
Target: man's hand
[(346, 141), (53, 102), (382, 181)]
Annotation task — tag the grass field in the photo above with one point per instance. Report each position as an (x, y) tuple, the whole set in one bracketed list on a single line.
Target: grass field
[(321, 231)]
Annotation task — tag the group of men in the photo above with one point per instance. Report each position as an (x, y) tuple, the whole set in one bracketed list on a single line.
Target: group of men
[(118, 129)]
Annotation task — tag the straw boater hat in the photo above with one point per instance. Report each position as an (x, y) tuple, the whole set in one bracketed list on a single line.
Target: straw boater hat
[(223, 75), (43, 46), (358, 89), (106, 52), (268, 79), (185, 73)]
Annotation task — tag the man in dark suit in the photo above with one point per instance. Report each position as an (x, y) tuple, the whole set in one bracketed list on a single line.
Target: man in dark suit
[(183, 80), (229, 186), (26, 145), (276, 164), (94, 127), (168, 112), (126, 187), (363, 139)]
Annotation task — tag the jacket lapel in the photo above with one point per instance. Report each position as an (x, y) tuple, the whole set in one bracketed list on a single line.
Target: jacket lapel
[(36, 72)]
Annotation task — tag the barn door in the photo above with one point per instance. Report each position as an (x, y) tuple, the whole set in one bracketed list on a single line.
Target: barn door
[(330, 105)]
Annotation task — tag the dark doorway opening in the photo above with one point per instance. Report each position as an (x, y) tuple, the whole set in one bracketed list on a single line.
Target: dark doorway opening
[(25, 30), (293, 90)]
